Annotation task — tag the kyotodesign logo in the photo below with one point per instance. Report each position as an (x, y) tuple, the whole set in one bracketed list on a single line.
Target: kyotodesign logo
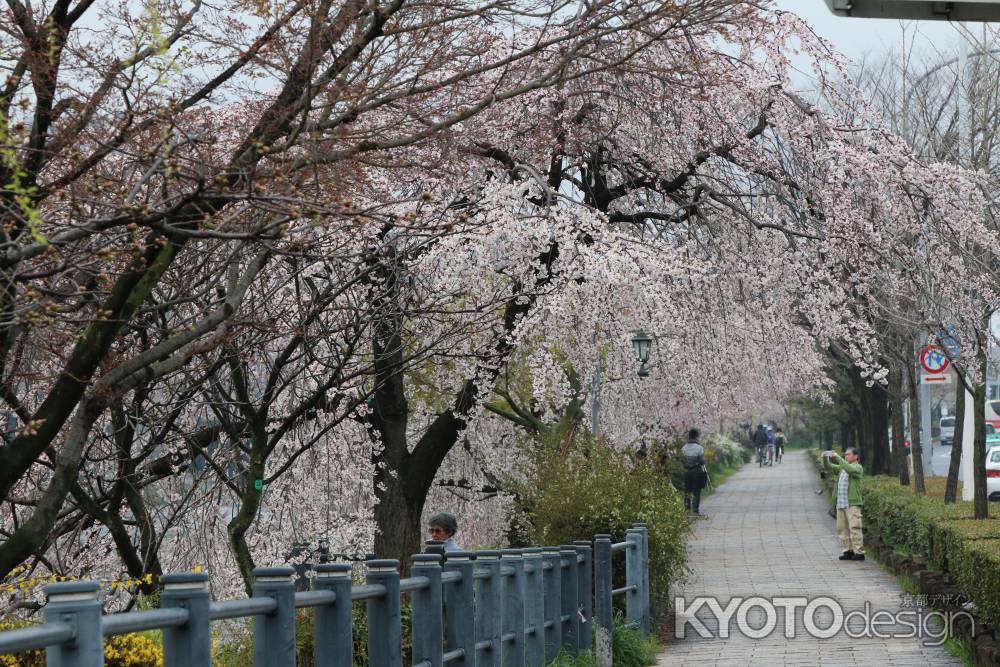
[(823, 617)]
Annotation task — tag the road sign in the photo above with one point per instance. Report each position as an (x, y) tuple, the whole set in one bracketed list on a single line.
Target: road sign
[(926, 378), (933, 360), (950, 341)]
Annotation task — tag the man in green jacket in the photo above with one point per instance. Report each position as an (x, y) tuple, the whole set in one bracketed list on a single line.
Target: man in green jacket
[(848, 502)]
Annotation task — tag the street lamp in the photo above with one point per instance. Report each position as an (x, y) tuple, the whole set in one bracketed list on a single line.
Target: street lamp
[(641, 343)]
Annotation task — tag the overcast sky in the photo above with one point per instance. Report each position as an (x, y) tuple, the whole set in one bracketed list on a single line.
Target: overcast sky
[(856, 37)]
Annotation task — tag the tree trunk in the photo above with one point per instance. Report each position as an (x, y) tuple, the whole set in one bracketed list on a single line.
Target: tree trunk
[(915, 447), (898, 449), (951, 485), (241, 523), (865, 423), (879, 430), (979, 442), (400, 533)]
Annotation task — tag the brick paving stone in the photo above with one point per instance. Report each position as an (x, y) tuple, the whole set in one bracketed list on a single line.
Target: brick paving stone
[(766, 532)]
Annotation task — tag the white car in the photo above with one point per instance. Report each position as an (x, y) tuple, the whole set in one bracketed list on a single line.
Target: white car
[(947, 425), (993, 473), (993, 413)]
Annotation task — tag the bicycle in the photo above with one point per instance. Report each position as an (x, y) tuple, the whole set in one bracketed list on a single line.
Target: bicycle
[(779, 451), (762, 456)]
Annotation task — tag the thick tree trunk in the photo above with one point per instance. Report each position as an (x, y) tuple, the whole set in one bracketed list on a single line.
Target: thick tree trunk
[(915, 445), (879, 430), (980, 500), (400, 533), (898, 449), (951, 485)]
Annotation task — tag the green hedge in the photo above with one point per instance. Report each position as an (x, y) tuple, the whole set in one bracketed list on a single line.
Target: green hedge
[(976, 568), (946, 536)]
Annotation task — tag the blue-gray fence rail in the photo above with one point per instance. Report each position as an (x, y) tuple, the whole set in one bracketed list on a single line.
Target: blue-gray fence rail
[(509, 608)]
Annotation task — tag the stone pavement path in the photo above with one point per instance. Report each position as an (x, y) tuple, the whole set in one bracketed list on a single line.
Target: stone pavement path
[(767, 533)]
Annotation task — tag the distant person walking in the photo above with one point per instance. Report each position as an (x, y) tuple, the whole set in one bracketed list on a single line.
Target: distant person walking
[(695, 475), (443, 527), (848, 501)]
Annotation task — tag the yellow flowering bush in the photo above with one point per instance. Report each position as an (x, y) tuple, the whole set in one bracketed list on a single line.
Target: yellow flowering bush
[(131, 650), (138, 649)]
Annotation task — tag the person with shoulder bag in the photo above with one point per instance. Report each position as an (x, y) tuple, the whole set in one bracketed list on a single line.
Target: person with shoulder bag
[(695, 473)]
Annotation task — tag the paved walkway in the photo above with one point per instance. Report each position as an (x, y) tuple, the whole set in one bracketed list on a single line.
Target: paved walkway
[(767, 533)]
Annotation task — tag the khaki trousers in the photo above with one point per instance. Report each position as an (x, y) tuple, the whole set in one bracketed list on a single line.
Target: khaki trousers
[(849, 529)]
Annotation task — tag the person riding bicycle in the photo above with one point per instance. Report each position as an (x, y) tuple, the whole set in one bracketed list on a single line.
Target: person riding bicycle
[(779, 445), (760, 442)]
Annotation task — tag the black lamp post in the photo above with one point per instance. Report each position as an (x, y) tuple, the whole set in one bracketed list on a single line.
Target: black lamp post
[(641, 343)]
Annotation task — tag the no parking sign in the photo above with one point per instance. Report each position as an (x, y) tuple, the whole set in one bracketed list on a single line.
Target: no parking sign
[(934, 362)]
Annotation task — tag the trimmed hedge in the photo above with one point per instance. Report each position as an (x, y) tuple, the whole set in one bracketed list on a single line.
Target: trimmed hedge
[(976, 568), (946, 536)]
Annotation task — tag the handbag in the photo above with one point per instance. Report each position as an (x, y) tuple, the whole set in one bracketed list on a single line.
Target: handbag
[(702, 478)]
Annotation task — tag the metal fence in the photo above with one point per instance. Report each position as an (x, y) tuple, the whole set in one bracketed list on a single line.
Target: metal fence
[(509, 608)]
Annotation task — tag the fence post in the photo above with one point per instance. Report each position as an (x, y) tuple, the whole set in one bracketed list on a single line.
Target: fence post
[(459, 597), (647, 610), (191, 644), (274, 633), (570, 599), (586, 592), (435, 547), (384, 631), (428, 624), (603, 598), (512, 653), (551, 580), (332, 641), (75, 603), (534, 609), (488, 611), (633, 577)]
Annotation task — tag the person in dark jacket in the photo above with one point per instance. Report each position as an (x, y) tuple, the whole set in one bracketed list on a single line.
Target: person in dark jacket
[(760, 440), (693, 458)]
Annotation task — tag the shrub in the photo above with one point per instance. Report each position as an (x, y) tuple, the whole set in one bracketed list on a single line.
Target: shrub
[(975, 566), (136, 649), (575, 495), (724, 451), (944, 535), (630, 648)]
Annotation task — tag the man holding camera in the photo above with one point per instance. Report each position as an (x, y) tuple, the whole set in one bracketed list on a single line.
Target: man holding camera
[(848, 501)]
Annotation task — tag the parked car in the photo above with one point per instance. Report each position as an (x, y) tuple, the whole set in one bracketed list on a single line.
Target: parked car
[(947, 425), (993, 472), (993, 414)]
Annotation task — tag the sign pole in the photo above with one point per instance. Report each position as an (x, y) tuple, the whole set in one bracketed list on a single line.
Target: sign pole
[(965, 471), (925, 426)]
